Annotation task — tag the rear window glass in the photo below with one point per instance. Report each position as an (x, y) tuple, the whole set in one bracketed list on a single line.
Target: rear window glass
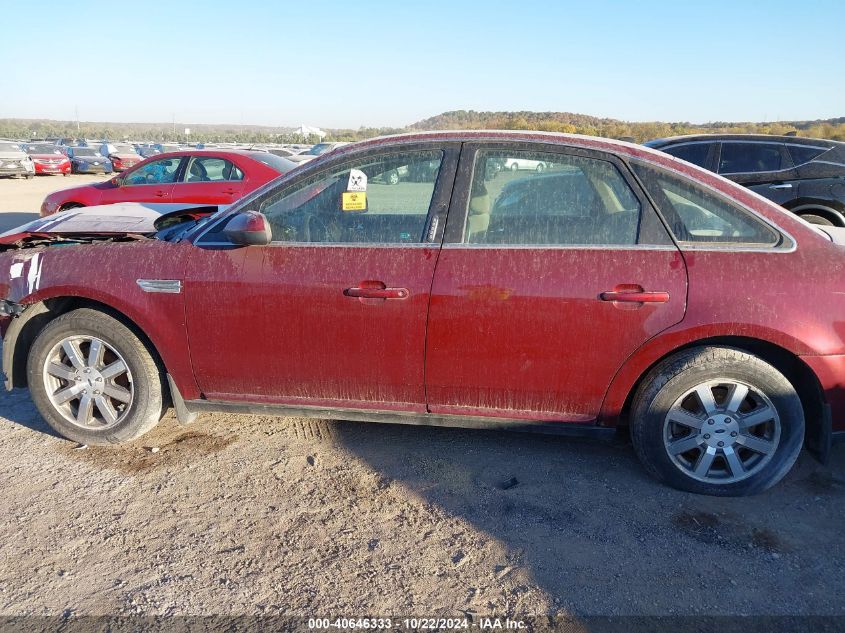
[(696, 215), (695, 153), (804, 153), (738, 158)]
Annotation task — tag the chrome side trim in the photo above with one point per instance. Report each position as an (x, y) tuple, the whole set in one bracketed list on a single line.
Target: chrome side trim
[(165, 286)]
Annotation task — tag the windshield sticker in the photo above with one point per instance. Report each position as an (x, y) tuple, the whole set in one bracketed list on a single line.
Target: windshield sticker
[(357, 181), (354, 201)]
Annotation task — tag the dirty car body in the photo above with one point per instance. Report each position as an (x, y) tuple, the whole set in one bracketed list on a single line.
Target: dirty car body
[(619, 287)]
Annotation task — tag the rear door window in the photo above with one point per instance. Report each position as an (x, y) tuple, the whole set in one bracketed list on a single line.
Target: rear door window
[(536, 198), (211, 169), (745, 157)]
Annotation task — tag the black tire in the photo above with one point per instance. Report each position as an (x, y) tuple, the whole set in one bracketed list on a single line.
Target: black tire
[(815, 218), (540, 168), (675, 376), (30, 176), (392, 177), (514, 167), (147, 406)]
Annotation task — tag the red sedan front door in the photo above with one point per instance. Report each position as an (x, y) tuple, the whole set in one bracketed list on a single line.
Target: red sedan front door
[(549, 279), (335, 315), (149, 182)]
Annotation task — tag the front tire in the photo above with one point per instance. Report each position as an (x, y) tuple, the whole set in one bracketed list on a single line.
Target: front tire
[(717, 421), (93, 380)]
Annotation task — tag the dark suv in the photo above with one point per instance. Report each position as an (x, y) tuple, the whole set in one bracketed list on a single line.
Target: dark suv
[(804, 175)]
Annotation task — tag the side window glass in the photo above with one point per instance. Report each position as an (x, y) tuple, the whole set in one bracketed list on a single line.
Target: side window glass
[(157, 172), (804, 153), (533, 198), (209, 169), (383, 199), (237, 174), (739, 158), (695, 153), (696, 215)]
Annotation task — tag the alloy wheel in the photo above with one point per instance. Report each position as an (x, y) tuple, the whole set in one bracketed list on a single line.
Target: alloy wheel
[(721, 431), (88, 382)]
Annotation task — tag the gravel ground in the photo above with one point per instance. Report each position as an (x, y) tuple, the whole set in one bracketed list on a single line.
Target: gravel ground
[(257, 515)]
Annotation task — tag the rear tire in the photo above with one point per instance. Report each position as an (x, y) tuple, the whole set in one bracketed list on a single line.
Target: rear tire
[(741, 441), (104, 393)]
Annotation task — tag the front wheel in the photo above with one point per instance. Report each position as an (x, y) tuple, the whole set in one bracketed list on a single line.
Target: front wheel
[(718, 421), (93, 380), (815, 218)]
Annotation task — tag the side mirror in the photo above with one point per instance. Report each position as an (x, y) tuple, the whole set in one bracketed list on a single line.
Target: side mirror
[(249, 228), (117, 181)]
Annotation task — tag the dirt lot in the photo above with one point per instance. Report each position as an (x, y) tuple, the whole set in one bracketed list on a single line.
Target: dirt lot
[(20, 199), (255, 515)]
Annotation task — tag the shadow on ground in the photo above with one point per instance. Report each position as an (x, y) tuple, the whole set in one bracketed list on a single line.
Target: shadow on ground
[(601, 537)]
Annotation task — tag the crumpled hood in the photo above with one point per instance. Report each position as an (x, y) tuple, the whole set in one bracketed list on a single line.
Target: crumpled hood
[(13, 156), (122, 218)]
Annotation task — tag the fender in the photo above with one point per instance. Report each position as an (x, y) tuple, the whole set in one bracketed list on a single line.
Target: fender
[(163, 324), (672, 340)]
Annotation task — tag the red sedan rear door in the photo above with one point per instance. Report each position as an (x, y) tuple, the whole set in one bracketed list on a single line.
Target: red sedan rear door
[(548, 280), (209, 179)]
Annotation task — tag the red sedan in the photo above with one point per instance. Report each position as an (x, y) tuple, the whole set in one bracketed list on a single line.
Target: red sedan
[(412, 280), (210, 177), (48, 158)]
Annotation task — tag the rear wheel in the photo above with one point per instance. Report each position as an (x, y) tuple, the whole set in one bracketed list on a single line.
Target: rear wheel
[(93, 380), (719, 421)]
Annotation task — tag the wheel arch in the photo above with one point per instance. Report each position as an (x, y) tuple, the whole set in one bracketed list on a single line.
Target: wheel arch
[(796, 371), (26, 327), (824, 209)]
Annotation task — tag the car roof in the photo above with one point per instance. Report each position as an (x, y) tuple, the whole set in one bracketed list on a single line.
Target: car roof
[(687, 138)]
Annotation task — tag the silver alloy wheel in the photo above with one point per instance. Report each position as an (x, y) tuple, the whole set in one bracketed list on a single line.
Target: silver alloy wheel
[(88, 382), (721, 431)]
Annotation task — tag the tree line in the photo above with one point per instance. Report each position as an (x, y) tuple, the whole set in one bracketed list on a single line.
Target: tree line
[(456, 120)]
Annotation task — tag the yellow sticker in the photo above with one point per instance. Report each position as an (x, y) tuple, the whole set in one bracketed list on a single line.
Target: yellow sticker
[(354, 201)]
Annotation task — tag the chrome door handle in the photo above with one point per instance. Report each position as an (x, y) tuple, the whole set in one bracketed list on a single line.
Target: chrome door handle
[(783, 186), (634, 296)]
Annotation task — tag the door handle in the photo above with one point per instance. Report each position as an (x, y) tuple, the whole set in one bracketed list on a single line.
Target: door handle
[(783, 186), (161, 193), (231, 192), (634, 294), (376, 290)]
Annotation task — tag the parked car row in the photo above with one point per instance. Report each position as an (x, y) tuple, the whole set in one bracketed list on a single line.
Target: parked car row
[(609, 288), (804, 175)]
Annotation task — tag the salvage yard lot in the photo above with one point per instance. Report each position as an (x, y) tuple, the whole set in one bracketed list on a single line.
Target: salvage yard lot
[(258, 515)]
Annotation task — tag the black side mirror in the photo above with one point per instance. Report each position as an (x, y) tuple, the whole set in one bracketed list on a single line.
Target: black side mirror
[(249, 228)]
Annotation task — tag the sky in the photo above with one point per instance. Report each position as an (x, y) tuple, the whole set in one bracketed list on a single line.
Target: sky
[(347, 64)]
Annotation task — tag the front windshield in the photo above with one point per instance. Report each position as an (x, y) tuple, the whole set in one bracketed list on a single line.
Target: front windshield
[(123, 148), (84, 151), (10, 147), (45, 148)]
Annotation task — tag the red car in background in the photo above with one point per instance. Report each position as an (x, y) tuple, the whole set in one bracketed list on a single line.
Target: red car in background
[(209, 177), (48, 158), (122, 155)]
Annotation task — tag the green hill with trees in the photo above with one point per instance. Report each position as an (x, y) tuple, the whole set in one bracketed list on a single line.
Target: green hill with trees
[(455, 120)]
